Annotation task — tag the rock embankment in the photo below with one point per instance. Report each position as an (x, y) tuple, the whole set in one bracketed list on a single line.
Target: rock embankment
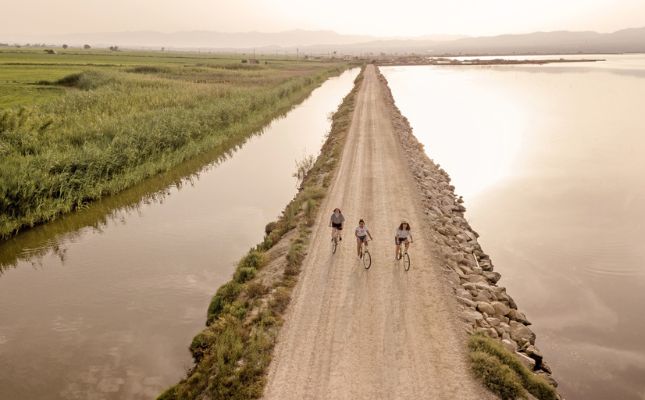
[(484, 306)]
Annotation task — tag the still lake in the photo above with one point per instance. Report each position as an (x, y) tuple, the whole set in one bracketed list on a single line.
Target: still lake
[(550, 161)]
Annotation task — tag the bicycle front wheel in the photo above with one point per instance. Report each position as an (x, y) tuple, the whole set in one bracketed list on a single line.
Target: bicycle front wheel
[(367, 259), (406, 261)]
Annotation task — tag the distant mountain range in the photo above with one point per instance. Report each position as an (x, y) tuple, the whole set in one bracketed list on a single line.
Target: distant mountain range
[(323, 42)]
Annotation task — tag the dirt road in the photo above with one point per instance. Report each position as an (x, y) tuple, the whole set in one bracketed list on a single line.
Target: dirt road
[(381, 333)]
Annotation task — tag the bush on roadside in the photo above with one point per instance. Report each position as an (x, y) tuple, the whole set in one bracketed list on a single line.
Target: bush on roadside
[(225, 295), (502, 372)]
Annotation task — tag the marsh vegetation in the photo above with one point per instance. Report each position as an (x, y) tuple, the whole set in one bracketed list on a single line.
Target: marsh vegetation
[(75, 127)]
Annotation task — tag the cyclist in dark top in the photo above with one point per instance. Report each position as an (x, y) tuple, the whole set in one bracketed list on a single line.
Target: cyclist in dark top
[(336, 222)]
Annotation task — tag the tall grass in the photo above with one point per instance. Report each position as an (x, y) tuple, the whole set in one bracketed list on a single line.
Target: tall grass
[(114, 129)]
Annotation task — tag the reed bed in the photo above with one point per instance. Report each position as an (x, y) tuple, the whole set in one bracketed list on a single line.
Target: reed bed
[(115, 126)]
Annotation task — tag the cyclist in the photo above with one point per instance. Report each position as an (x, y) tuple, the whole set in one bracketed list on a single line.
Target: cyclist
[(361, 233), (403, 235), (336, 223)]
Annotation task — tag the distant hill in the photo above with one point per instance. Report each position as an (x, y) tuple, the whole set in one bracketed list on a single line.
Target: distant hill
[(323, 42), (628, 40), (561, 42)]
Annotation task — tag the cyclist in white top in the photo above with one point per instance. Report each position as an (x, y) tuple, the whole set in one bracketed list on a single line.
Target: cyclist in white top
[(403, 235), (361, 234)]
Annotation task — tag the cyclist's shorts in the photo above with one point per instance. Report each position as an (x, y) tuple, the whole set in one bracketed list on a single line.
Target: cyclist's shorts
[(363, 238), (337, 226), (400, 240)]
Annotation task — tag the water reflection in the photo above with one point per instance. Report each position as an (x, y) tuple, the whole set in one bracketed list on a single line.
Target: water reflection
[(33, 245), (471, 115), (564, 222), (119, 289)]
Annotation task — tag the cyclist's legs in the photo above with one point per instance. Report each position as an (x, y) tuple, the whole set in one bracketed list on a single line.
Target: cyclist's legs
[(407, 244), (359, 243)]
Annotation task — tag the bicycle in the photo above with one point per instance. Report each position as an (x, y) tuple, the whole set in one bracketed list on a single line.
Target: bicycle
[(403, 254), (365, 256), (334, 240)]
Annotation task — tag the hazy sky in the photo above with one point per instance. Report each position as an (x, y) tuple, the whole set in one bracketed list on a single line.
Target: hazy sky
[(374, 17)]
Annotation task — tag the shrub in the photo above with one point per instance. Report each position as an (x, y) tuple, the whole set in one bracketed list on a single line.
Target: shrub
[(280, 300), (244, 274), (254, 259), (255, 290), (499, 378), (294, 258), (148, 69), (85, 80), (226, 294), (310, 212), (201, 343), (534, 384)]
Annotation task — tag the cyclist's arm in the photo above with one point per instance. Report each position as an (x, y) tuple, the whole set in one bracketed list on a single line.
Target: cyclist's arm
[(411, 240), (370, 235)]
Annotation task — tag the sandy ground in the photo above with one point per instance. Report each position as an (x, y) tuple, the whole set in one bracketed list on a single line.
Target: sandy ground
[(381, 333)]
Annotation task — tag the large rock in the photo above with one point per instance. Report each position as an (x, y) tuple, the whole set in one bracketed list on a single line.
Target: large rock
[(453, 278), (466, 302), (521, 333), (510, 345), (484, 307), (518, 316), (471, 316), (491, 276), (535, 354), (500, 308), (511, 303), (526, 360), (475, 278), (461, 292), (486, 265), (545, 367)]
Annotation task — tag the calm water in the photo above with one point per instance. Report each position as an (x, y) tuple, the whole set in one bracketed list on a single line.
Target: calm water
[(103, 304), (550, 160)]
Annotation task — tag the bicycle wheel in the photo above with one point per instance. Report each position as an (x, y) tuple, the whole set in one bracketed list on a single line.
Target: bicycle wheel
[(367, 259), (406, 261), (334, 245)]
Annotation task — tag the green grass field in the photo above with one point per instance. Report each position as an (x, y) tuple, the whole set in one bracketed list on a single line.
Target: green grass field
[(76, 126)]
